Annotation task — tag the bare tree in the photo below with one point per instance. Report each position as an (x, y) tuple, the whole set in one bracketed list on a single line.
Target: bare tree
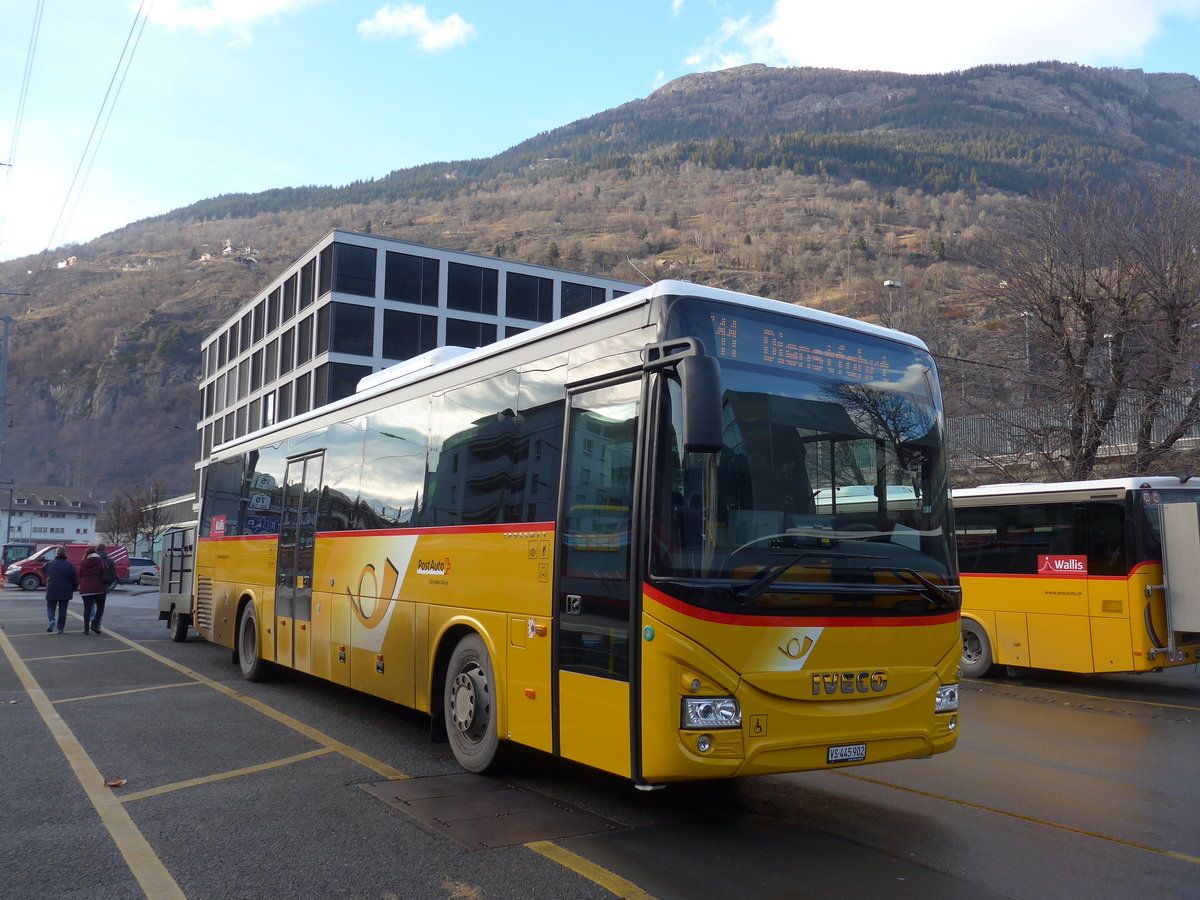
[(1100, 289)]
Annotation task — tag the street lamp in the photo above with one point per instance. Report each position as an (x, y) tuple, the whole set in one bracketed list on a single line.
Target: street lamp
[(892, 285)]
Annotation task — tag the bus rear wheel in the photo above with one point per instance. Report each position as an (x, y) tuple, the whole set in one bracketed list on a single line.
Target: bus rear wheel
[(976, 651), (251, 664), (469, 704)]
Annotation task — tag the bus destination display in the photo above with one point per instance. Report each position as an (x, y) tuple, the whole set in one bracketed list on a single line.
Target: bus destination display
[(771, 345)]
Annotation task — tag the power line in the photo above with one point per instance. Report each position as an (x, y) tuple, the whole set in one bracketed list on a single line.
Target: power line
[(92, 147), (30, 53)]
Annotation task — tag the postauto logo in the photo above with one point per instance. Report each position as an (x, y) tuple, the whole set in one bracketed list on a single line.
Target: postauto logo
[(433, 566)]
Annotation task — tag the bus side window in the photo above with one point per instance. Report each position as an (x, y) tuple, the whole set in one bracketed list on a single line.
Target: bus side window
[(1106, 539)]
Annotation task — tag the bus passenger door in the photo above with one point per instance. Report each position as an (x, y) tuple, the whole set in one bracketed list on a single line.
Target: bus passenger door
[(595, 588), (294, 566)]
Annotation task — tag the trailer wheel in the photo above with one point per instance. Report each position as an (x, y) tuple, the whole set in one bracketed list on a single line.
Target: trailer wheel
[(30, 582), (470, 706), (177, 623), (976, 651)]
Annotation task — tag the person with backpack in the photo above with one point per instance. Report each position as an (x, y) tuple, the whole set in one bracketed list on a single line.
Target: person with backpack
[(97, 575)]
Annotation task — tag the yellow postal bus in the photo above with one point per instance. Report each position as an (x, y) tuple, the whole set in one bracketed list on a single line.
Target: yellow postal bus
[(1090, 576), (619, 538)]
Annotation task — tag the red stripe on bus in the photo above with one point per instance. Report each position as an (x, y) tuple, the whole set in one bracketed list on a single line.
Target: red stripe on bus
[(516, 528), (721, 618)]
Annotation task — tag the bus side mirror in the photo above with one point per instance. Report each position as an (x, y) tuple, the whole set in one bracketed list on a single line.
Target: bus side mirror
[(700, 378)]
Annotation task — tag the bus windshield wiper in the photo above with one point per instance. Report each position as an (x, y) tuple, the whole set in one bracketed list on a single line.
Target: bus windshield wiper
[(949, 597), (765, 579)]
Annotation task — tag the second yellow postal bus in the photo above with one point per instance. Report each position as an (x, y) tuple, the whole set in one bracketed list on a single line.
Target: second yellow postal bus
[(1086, 576), (685, 534)]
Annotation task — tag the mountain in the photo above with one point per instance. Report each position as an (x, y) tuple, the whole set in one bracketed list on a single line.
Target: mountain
[(811, 185)]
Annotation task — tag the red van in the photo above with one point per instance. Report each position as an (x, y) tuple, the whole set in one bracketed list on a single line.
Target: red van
[(28, 573)]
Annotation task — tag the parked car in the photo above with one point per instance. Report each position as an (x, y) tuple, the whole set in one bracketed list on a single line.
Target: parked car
[(28, 572), (142, 570)]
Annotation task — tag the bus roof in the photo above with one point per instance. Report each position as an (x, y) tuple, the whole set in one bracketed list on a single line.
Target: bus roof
[(1078, 487)]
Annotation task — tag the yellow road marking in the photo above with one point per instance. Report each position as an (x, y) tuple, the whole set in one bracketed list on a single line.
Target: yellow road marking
[(143, 862), (611, 882), (75, 655), (157, 687), (223, 776), (317, 736), (1195, 860)]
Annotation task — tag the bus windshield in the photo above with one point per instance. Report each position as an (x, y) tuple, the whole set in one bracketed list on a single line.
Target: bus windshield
[(829, 493)]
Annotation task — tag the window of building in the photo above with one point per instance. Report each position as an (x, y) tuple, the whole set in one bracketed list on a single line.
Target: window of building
[(271, 362), (304, 340), (287, 355), (333, 381), (510, 330), (472, 288), (244, 345), (243, 380), (302, 401), (222, 348), (273, 310), (412, 279), (324, 314), (406, 334), (307, 284), (325, 271), (353, 329), (284, 402), (256, 370), (289, 299), (461, 333), (354, 269), (529, 297), (578, 297), (259, 320)]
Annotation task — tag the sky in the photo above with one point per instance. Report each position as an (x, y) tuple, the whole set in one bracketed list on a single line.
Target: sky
[(112, 111)]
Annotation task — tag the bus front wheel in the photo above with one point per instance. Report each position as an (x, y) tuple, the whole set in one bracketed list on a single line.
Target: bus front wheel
[(976, 650), (250, 663), (470, 706)]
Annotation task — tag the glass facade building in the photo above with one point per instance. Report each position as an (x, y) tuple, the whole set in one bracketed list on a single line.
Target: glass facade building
[(355, 304)]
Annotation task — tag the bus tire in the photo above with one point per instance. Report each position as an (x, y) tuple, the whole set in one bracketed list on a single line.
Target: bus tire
[(177, 623), (976, 651), (251, 664), (469, 703), (30, 582)]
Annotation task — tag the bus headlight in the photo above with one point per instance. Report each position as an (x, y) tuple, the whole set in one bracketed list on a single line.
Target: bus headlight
[(947, 698), (711, 712)]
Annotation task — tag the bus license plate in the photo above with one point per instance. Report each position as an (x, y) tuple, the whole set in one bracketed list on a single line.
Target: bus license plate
[(847, 753)]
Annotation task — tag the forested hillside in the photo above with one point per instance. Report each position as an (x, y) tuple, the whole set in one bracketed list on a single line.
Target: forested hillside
[(813, 186)]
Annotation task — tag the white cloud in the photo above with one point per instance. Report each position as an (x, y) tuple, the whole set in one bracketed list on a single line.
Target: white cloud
[(941, 36), (211, 15), (410, 20)]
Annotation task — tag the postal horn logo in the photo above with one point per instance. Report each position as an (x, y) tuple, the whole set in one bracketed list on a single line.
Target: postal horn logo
[(433, 566)]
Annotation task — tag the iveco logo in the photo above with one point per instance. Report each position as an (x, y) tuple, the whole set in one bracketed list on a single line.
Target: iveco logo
[(848, 682)]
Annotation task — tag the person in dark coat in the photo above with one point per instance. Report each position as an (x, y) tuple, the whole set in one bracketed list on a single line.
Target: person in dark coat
[(61, 582), (92, 589)]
